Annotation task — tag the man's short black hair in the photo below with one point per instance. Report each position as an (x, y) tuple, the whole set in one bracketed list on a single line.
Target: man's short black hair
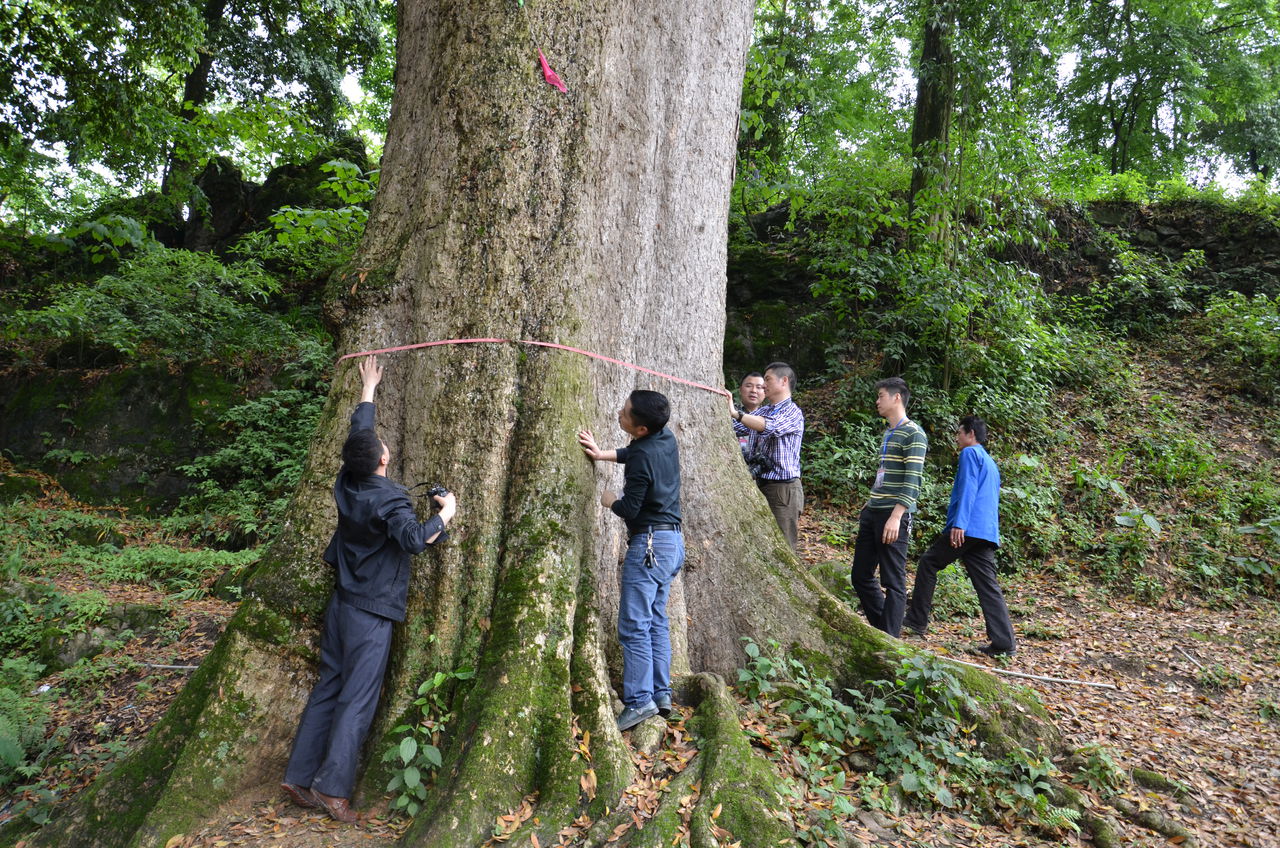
[(782, 369), (975, 425), (896, 386), (361, 452), (650, 410), (746, 377)]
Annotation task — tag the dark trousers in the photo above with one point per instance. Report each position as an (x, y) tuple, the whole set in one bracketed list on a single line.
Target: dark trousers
[(979, 558), (786, 502), (884, 600), (353, 658)]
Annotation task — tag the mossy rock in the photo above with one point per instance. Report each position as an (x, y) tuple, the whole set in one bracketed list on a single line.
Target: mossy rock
[(15, 487), (60, 650)]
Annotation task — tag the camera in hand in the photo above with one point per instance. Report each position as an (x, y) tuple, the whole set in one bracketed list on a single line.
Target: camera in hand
[(760, 464), (437, 491)]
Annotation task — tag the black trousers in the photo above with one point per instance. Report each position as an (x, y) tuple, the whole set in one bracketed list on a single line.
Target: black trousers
[(353, 658), (884, 600), (979, 558)]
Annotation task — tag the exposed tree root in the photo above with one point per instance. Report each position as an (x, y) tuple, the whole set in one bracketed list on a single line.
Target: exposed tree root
[(1153, 820), (1105, 830)]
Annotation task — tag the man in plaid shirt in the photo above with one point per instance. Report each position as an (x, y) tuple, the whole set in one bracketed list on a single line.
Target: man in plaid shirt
[(774, 433)]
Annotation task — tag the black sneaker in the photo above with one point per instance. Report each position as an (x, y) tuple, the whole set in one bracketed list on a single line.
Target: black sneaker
[(990, 650), (663, 703), (632, 716)]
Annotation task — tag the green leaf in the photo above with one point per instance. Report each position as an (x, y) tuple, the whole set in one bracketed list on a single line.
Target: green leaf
[(408, 749), (432, 753), (412, 777)]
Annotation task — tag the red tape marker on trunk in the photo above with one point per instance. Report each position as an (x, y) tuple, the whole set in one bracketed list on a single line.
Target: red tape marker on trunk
[(599, 356)]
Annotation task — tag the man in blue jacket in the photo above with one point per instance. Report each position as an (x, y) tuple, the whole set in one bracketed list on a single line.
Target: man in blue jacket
[(972, 535), (650, 506), (371, 552)]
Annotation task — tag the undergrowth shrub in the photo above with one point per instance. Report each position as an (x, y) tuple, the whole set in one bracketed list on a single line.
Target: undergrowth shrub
[(174, 305), (312, 241), (242, 487), (1245, 333), (24, 718), (912, 727)]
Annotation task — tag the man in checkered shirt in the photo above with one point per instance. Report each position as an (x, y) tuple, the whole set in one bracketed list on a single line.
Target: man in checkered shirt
[(774, 433)]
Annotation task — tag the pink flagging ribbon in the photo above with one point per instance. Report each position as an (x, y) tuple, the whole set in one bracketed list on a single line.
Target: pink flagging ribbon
[(552, 78), (577, 350)]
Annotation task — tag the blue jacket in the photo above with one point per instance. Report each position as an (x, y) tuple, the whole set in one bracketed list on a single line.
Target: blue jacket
[(975, 497)]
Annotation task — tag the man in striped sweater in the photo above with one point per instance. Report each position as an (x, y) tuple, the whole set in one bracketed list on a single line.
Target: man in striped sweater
[(884, 526)]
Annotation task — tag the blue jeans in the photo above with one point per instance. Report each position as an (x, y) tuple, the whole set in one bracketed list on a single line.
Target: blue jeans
[(643, 630)]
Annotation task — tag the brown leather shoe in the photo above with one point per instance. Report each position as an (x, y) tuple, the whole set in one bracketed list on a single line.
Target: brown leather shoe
[(338, 809), (300, 795)]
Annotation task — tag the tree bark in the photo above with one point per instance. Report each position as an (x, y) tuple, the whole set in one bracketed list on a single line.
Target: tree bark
[(931, 124), (595, 219)]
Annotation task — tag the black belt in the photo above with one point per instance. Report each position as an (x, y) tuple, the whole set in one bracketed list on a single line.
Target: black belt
[(763, 480), (653, 528)]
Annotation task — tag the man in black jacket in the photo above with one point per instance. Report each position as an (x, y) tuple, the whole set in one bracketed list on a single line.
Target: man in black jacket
[(371, 552)]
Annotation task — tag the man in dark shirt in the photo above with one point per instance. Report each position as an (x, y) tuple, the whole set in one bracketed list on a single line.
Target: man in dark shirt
[(371, 552), (650, 505)]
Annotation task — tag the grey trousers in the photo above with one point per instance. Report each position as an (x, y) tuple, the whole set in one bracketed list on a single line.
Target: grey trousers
[(786, 502), (979, 558), (353, 658)]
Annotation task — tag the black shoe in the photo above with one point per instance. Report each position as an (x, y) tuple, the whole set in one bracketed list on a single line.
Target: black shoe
[(913, 632), (990, 650)]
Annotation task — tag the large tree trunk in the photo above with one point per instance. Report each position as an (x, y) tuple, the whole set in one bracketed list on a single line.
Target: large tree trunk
[(595, 219), (931, 123)]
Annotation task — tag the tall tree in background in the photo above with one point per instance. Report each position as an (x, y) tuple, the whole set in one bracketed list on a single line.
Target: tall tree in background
[(595, 219), (935, 101), (148, 87), (1150, 75)]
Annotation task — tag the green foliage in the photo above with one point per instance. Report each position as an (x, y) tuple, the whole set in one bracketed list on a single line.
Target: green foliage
[(1030, 503), (119, 83), (1245, 334), (1219, 678), (242, 488), (1153, 83), (24, 718), (160, 565), (107, 234), (1145, 293), (1124, 187), (1268, 530), (835, 464), (417, 753), (913, 726), (167, 304), (311, 242), (1100, 770)]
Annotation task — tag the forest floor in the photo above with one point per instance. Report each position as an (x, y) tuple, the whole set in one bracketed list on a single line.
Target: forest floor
[(1196, 697)]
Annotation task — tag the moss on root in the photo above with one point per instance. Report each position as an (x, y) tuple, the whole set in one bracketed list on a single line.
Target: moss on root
[(734, 778)]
